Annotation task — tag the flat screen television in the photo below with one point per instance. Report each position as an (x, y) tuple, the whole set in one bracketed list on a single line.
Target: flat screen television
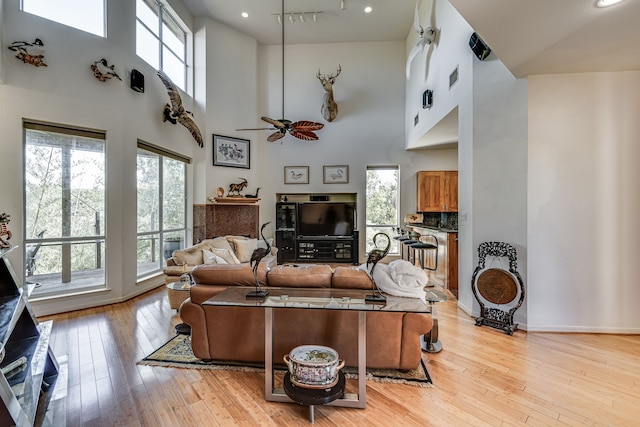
[(326, 218)]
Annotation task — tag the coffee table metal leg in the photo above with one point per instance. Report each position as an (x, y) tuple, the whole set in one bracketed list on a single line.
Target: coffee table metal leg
[(311, 414)]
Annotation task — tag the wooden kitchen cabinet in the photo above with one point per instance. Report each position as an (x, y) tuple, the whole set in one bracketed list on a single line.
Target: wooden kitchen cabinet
[(437, 191)]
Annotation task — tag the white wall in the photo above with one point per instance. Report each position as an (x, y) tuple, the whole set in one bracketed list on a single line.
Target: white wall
[(583, 202), (368, 130), (492, 125), (66, 92)]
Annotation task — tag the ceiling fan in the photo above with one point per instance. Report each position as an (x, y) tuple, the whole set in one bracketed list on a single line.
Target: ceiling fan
[(303, 129)]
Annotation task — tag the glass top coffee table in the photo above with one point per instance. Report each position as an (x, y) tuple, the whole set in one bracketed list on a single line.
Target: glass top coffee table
[(316, 299)]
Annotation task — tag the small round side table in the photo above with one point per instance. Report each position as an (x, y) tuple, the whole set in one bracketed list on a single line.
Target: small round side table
[(313, 396), (429, 342)]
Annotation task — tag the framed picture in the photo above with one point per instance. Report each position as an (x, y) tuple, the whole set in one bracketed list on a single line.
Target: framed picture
[(296, 174), (335, 174), (231, 152)]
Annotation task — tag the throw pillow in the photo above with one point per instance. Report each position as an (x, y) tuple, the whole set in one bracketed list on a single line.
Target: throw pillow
[(210, 258), (227, 255), (245, 248), (220, 243)]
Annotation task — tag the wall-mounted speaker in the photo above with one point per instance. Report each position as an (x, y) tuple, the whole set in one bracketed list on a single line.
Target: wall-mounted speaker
[(137, 80), (479, 47), (427, 98)]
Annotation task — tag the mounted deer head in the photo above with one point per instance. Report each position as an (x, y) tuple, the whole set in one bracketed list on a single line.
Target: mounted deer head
[(329, 107)]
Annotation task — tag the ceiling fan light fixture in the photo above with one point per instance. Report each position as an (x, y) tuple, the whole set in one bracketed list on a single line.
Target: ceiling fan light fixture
[(607, 3)]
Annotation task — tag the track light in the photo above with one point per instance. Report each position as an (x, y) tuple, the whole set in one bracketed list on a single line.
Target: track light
[(303, 18), (292, 19), (343, 5), (279, 19), (315, 17)]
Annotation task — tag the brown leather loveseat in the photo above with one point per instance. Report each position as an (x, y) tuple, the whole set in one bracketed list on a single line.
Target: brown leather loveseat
[(237, 333)]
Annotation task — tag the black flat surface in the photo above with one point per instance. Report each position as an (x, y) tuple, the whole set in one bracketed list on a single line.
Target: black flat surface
[(314, 396)]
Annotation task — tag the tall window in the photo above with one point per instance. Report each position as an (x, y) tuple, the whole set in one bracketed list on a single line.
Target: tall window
[(162, 207), (85, 15), (383, 195), (161, 41), (64, 179)]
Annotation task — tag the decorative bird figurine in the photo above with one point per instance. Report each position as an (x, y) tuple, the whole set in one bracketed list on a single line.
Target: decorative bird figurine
[(375, 255), (253, 196), (108, 72), (256, 257), (29, 53), (427, 36), (175, 111)]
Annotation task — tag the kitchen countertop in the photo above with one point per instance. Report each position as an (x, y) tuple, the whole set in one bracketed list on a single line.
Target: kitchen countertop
[(425, 227)]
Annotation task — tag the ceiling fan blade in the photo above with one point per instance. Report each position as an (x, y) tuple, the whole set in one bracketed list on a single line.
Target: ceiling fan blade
[(276, 123), (305, 135), (275, 136), (305, 125), (256, 129)]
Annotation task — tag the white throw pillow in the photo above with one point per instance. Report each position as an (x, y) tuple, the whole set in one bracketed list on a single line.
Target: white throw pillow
[(210, 258), (245, 248), (227, 255)]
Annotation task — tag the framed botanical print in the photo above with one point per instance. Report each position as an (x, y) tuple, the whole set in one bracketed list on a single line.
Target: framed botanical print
[(231, 152), (335, 174), (296, 174)]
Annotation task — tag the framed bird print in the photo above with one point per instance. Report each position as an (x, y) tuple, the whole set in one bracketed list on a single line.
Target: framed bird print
[(231, 152), (336, 174), (296, 174)]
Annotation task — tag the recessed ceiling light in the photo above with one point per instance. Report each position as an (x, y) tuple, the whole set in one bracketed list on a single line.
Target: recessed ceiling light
[(606, 3), (244, 14), (368, 9)]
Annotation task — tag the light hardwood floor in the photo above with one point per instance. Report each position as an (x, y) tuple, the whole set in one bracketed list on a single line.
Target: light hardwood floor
[(482, 377)]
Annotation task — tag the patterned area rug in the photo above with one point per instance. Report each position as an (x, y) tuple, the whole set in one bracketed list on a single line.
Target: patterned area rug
[(177, 354)]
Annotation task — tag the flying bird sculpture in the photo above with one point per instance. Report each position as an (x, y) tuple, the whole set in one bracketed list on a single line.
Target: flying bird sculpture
[(103, 71), (426, 36), (175, 112)]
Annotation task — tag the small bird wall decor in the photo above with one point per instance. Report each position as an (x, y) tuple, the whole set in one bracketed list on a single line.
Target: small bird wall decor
[(102, 71), (29, 53), (175, 112)]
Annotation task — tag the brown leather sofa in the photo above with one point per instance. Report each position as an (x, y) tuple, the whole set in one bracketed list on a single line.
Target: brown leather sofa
[(237, 333)]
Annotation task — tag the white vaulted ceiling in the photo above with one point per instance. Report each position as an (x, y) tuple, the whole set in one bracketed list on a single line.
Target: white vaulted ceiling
[(529, 36)]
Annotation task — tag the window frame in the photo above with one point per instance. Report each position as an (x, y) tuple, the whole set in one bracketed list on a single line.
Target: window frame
[(104, 19), (68, 284), (161, 232), (162, 13), (394, 247)]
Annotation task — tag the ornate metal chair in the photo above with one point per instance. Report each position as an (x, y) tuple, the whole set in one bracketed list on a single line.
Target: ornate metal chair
[(499, 292)]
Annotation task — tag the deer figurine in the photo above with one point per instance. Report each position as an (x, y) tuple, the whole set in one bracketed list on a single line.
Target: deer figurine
[(329, 107)]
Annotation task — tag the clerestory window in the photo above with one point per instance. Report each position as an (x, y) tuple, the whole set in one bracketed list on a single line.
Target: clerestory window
[(85, 15), (161, 41)]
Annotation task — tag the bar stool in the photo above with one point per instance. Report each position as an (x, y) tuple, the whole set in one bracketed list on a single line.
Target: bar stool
[(427, 247), (407, 244)]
